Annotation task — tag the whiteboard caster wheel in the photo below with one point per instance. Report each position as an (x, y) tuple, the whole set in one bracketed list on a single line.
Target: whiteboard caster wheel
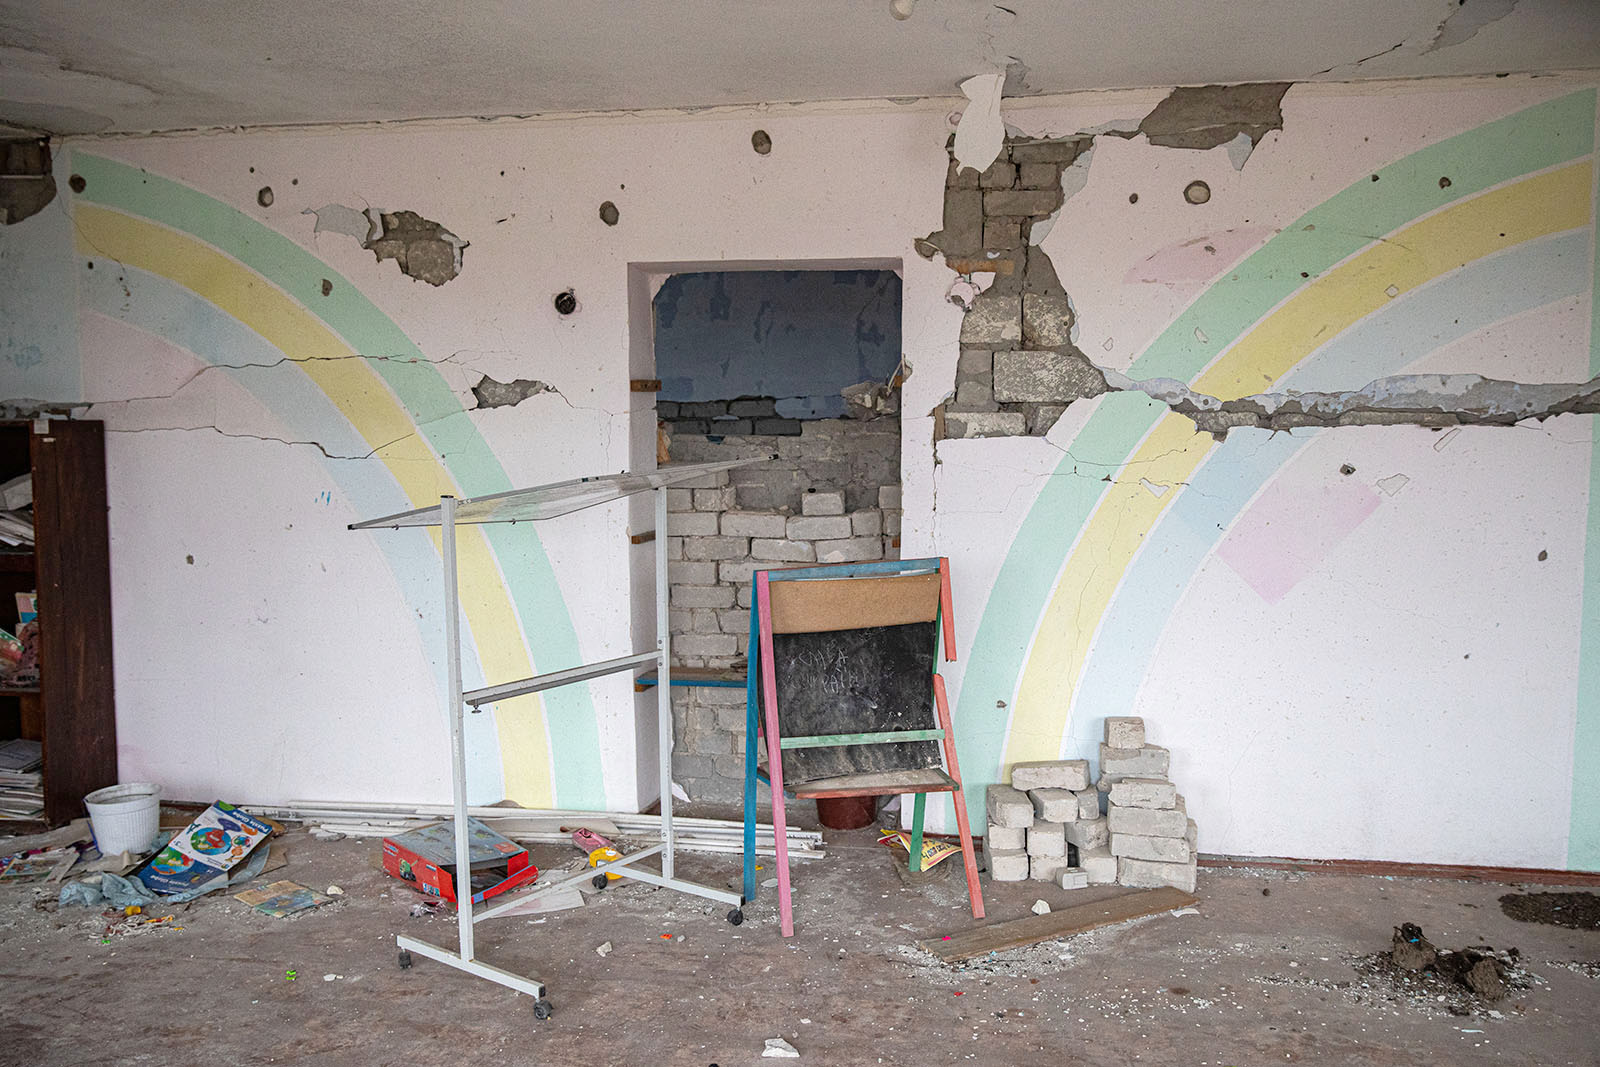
[(405, 960), (542, 1009), (736, 916), (599, 882)]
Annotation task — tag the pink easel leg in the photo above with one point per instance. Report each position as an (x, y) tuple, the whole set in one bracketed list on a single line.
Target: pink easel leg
[(769, 698)]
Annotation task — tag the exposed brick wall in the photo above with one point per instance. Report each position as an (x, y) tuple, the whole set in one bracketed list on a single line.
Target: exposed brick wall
[(831, 495)]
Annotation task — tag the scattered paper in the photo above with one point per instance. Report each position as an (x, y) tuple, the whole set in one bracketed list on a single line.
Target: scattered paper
[(281, 899), (555, 900)]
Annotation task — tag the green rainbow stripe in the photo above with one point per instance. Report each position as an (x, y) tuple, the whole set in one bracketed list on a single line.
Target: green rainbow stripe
[(1583, 822)]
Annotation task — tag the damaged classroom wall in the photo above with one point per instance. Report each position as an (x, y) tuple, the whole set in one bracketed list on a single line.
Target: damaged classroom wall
[(1335, 626)]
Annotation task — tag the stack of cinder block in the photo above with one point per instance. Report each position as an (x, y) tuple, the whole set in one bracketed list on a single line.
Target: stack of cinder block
[(1152, 836), (1046, 825)]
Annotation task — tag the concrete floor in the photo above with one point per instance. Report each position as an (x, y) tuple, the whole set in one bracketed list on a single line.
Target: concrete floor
[(1262, 974)]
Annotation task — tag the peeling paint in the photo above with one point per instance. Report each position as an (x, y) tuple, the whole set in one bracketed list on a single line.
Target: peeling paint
[(1208, 116), (1469, 16), (981, 134), (422, 248), (493, 394)]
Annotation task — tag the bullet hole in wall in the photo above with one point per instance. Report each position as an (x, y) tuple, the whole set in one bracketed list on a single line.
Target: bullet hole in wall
[(327, 287), (264, 197), (566, 302), (1444, 183), (77, 184), (1197, 192), (1133, 198), (609, 213), (761, 141), (1346, 469)]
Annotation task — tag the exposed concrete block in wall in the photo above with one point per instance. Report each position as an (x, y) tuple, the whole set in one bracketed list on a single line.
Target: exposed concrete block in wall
[(1002, 174), (1099, 864), (1057, 151), (679, 620), (1042, 417), (778, 427), (1148, 822), (1008, 807), (783, 551), (1147, 874), (1047, 320), (1044, 376), (1047, 839), (743, 596), (705, 645), (1144, 793), (1141, 847), (705, 622), (818, 527), (680, 500), (1007, 838), (866, 523), (1020, 202), (1035, 176), (1125, 732), (702, 409), (986, 424), (719, 499), (974, 363), (1054, 805), (994, 321), (1088, 803), (1001, 234), (1088, 833), (822, 502), (1151, 761), (700, 596), (721, 696), (850, 550), (715, 547), (1072, 774), (891, 522), (1008, 866), (739, 571), (734, 621), (753, 524), (692, 523), (889, 497), (694, 572), (963, 222), (705, 481), (1046, 868), (974, 396), (753, 407)]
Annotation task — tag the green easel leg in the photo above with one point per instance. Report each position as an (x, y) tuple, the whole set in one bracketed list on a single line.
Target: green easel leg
[(916, 831)]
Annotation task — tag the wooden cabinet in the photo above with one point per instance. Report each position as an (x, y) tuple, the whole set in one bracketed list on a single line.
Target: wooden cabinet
[(73, 711)]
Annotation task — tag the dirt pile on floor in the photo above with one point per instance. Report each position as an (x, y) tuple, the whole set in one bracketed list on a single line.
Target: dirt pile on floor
[(1478, 973), (1577, 911)]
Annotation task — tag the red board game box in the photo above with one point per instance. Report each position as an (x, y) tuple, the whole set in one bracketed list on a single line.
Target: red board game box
[(426, 857)]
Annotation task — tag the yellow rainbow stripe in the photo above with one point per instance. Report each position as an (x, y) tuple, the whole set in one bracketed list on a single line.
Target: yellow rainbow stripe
[(1524, 210), (365, 400)]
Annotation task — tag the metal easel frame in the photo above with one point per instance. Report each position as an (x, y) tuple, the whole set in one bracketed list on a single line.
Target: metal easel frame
[(533, 504)]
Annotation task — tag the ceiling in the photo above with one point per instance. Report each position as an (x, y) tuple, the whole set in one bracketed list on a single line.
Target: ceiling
[(94, 66)]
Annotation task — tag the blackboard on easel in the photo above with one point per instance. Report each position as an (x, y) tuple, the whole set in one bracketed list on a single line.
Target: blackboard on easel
[(856, 656)]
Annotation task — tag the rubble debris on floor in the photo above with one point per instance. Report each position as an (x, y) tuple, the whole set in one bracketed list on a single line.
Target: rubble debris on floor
[(1577, 911)]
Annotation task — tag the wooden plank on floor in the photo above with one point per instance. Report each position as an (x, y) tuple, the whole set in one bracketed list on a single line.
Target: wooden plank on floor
[(1016, 933)]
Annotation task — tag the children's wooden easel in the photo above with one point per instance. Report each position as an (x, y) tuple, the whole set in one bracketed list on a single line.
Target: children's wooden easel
[(845, 657)]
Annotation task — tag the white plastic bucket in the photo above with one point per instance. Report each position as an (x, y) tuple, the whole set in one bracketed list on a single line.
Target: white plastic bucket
[(125, 818)]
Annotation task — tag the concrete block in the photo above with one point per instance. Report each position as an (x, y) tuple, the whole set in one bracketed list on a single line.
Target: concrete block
[(1070, 774), (1099, 864), (1037, 176), (1008, 865), (1063, 151), (1125, 732), (1055, 805), (1046, 868), (1150, 874), (889, 496), (1044, 377), (818, 527), (1140, 847), (783, 551), (1144, 793), (680, 499), (1088, 803), (1008, 838), (1002, 174), (1192, 835), (744, 596), (700, 596), (1088, 833), (963, 222), (719, 499), (1047, 839), (1151, 822), (679, 620), (971, 424), (738, 571), (674, 548), (692, 524), (697, 572), (891, 522), (1021, 202), (866, 523), (974, 396), (1008, 807), (1151, 761), (734, 621), (705, 622), (822, 502), (778, 427), (753, 524), (705, 645), (1073, 878), (715, 547), (850, 550), (1047, 320), (993, 321)]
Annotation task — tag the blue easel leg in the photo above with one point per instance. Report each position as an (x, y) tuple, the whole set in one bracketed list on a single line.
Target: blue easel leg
[(751, 674)]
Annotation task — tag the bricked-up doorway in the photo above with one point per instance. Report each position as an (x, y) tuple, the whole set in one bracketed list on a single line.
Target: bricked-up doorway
[(800, 363)]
